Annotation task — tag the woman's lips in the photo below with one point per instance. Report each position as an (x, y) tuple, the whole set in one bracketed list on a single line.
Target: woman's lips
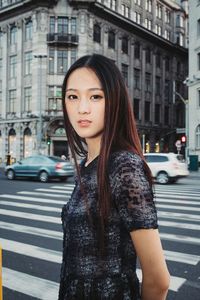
[(84, 123)]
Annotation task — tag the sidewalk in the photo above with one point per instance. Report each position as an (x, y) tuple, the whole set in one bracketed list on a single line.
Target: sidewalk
[(195, 174)]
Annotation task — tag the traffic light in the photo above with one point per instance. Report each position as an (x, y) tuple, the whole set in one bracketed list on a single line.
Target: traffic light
[(183, 139), (48, 140)]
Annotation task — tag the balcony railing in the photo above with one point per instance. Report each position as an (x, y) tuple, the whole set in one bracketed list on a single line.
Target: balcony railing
[(62, 38)]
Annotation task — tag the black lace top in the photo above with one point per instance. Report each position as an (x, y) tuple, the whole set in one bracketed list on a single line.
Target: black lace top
[(85, 273)]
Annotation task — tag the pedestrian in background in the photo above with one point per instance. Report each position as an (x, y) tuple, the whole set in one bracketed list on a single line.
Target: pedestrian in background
[(111, 217)]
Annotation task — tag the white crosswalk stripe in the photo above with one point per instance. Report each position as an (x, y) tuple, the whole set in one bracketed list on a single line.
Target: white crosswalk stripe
[(177, 209)]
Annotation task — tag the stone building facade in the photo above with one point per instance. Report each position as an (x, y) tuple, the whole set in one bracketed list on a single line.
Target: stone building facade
[(39, 40)]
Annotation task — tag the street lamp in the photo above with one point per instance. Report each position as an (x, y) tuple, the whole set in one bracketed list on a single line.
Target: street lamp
[(39, 133)]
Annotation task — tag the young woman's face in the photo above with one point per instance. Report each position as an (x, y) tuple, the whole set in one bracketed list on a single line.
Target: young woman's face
[(85, 103)]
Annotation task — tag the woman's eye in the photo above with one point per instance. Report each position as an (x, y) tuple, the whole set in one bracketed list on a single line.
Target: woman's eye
[(96, 97), (72, 97)]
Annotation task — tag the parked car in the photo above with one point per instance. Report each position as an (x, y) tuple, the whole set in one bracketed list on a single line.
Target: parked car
[(166, 167), (41, 167)]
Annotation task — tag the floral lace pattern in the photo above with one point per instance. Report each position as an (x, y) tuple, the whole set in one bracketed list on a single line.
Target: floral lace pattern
[(85, 274)]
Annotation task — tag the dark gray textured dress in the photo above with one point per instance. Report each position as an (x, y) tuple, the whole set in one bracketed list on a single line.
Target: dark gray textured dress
[(85, 274)]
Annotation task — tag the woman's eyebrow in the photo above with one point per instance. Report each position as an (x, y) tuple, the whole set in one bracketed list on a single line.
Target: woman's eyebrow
[(91, 89)]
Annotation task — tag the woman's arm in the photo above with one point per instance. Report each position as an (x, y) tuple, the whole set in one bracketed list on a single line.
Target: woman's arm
[(155, 275)]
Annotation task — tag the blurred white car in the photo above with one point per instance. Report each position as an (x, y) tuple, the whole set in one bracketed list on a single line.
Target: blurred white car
[(166, 167)]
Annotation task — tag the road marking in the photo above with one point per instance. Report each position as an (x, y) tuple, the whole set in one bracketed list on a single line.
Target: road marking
[(43, 194), (30, 216), (182, 196), (63, 187), (179, 225), (30, 285), (31, 206), (32, 230), (182, 257), (188, 208), (31, 250), (166, 200), (180, 238), (54, 191), (32, 199), (175, 282), (178, 216)]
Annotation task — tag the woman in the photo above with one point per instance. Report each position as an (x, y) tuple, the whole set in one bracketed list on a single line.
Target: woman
[(110, 218)]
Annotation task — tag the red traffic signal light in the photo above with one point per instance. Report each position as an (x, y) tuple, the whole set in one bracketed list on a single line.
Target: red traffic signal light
[(183, 139)]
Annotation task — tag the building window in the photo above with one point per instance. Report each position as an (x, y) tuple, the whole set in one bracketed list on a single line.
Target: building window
[(125, 45), (137, 17), (12, 101), (198, 60), (198, 98), (137, 50), (97, 33), (157, 113), (125, 73), (55, 98), (51, 60), (62, 64), (167, 16), (136, 108), (125, 10), (148, 24), (167, 34), (52, 24), (167, 90), (158, 29), (27, 98), (167, 63), (147, 111), (148, 82), (1, 38), (111, 4), (158, 60), (159, 11), (111, 39), (148, 5), (137, 79), (28, 63), (138, 2), (166, 115), (13, 66), (13, 35), (73, 55), (148, 55), (28, 30), (62, 25), (198, 28), (158, 86), (73, 25), (198, 136)]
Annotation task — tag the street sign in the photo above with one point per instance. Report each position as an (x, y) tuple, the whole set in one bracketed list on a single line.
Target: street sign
[(180, 130), (178, 143)]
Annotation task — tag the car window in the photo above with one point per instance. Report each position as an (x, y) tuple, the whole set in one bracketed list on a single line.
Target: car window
[(27, 161), (156, 158), (56, 159)]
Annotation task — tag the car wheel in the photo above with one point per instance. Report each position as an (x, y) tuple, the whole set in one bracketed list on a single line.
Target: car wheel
[(43, 176), (162, 178), (10, 174)]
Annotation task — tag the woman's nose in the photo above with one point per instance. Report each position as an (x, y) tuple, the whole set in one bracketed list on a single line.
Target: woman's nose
[(84, 106)]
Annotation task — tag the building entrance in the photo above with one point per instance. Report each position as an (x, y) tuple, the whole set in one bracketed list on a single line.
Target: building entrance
[(60, 148)]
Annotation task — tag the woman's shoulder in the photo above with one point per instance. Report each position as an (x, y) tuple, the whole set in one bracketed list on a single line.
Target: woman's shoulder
[(125, 157)]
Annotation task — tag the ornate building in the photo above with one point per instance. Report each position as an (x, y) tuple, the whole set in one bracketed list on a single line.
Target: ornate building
[(39, 40)]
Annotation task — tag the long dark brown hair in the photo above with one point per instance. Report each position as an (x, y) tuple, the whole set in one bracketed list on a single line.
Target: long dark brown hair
[(120, 132)]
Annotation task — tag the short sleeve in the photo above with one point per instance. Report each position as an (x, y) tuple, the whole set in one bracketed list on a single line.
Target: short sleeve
[(132, 193)]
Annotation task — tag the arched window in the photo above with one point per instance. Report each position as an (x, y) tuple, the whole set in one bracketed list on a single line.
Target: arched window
[(111, 39), (28, 142), (198, 136), (97, 33), (12, 146)]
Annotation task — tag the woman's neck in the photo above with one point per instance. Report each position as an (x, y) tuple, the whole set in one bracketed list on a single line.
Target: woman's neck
[(93, 148)]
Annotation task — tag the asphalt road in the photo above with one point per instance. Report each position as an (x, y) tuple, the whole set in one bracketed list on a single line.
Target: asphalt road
[(31, 236)]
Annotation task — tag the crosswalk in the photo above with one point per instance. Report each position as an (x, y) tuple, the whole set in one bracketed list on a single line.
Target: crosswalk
[(31, 238)]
